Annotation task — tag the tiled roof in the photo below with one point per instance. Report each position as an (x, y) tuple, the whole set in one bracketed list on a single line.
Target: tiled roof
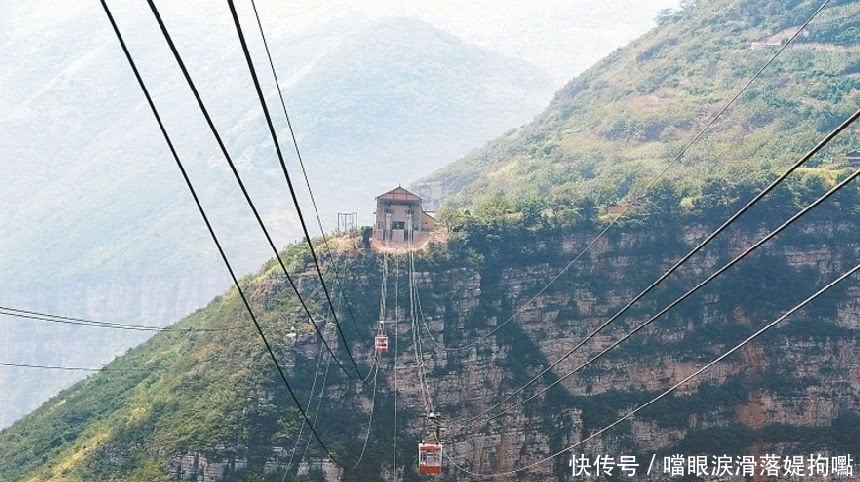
[(399, 194)]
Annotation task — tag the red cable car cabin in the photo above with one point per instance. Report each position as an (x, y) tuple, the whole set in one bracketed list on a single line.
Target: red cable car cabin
[(381, 344), (430, 459)]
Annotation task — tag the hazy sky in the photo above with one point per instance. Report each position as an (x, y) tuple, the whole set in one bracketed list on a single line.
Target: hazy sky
[(563, 37)]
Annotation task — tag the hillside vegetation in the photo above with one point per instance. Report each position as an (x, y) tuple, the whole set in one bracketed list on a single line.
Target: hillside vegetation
[(608, 132)]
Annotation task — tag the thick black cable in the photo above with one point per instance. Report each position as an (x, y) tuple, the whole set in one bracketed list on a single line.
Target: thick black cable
[(304, 172), (274, 134), (674, 387), (206, 220), (731, 220), (647, 187), (68, 320), (245, 193), (710, 278)]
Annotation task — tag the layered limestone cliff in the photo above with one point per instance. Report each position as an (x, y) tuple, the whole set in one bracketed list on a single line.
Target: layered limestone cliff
[(781, 393), (491, 310)]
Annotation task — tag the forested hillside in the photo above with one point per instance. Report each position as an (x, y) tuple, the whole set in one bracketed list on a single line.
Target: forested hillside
[(613, 128)]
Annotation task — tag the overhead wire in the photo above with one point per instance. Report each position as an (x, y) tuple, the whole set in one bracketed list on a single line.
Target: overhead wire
[(73, 369), (383, 290), (42, 316), (375, 371), (206, 221), (304, 171), (321, 354), (370, 419), (210, 123), (316, 261), (317, 411), (713, 276), (416, 327), (320, 357), (396, 330), (674, 387), (373, 402), (647, 187), (732, 219), (416, 340), (274, 134), (68, 320), (422, 316), (319, 407)]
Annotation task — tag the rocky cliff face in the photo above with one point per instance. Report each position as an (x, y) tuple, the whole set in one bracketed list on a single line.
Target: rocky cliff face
[(773, 396), (793, 391), (799, 378)]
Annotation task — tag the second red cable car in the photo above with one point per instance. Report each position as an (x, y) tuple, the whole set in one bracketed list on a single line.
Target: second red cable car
[(381, 344)]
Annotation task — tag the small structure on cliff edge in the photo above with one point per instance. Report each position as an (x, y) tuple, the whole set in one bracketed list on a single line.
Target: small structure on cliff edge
[(400, 219)]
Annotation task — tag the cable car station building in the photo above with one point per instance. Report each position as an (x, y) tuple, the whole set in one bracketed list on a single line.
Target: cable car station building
[(400, 218)]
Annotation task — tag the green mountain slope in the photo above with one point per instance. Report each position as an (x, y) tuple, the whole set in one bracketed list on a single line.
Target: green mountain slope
[(608, 131), (176, 392)]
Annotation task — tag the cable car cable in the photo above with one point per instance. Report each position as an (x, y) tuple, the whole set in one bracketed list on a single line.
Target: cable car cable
[(75, 321), (370, 420), (209, 227), (733, 218), (380, 340), (648, 187), (320, 356), (674, 387), (274, 134), (710, 278), (396, 330), (302, 165), (423, 318), (68, 320), (429, 454), (419, 362), (319, 407), (73, 369), (416, 336), (417, 326), (186, 74)]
